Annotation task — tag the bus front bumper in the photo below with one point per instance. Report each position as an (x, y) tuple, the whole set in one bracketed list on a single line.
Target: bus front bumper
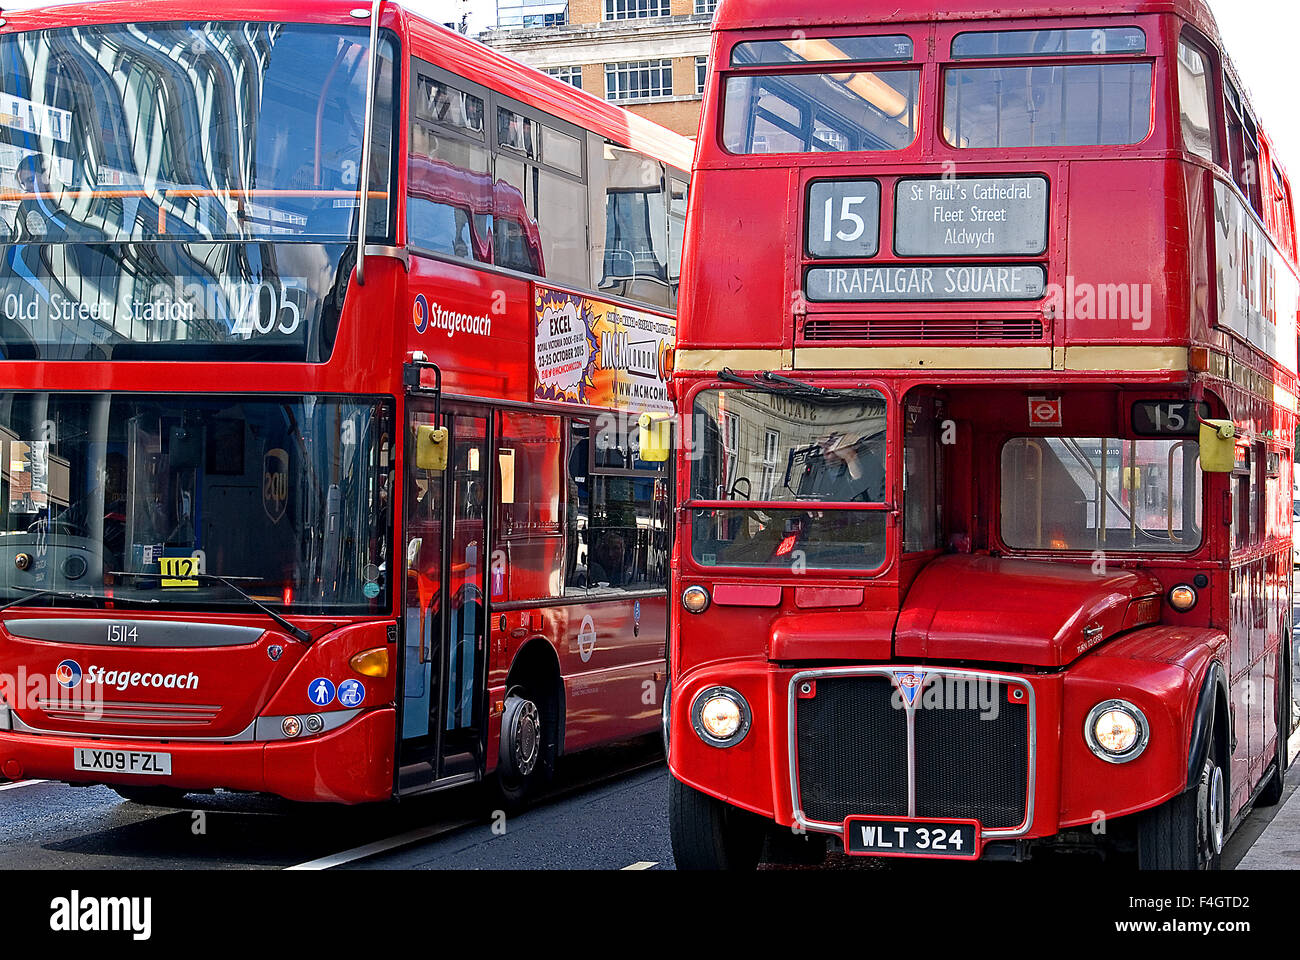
[(352, 764)]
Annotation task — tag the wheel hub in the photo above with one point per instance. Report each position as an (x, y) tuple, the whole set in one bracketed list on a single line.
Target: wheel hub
[(527, 738), (1216, 812)]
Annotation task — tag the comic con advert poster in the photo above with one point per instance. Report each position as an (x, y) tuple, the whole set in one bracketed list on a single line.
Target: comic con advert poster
[(600, 354)]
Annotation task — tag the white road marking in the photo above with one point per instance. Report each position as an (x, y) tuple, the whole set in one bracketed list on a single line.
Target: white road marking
[(380, 846), (19, 783), (642, 865)]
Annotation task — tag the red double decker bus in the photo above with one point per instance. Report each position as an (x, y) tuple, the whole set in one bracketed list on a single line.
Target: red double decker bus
[(988, 412), (320, 328)]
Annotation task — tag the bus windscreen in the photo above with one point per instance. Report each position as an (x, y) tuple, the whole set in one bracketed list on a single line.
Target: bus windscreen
[(102, 496)]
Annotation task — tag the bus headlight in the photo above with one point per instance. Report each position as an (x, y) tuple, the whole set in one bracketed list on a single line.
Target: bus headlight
[(1116, 731), (695, 599), (1182, 598), (720, 716), (291, 726)]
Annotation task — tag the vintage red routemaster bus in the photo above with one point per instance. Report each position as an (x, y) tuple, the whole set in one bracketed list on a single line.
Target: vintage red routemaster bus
[(988, 406), (293, 505)]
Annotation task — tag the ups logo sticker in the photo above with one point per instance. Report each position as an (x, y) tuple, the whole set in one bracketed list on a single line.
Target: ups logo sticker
[(275, 483)]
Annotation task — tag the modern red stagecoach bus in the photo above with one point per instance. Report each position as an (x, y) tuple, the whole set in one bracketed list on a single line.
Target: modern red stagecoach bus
[(988, 412), (291, 507)]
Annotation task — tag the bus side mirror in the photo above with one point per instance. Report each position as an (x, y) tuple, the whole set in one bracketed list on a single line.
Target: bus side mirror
[(1218, 446), (655, 434), (430, 447)]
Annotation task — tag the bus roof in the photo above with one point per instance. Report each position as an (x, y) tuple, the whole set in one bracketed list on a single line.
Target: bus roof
[(752, 14), (460, 54)]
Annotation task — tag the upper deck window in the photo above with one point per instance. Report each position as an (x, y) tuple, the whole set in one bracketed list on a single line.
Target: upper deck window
[(196, 131), (1195, 94), (821, 50), (815, 112), (1097, 41), (1055, 105)]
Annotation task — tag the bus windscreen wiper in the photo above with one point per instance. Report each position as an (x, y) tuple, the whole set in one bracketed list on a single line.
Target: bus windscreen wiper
[(775, 383), (36, 593), (298, 633)]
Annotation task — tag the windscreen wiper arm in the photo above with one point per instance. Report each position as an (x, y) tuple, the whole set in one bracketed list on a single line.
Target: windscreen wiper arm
[(298, 633), (36, 594), (775, 383)]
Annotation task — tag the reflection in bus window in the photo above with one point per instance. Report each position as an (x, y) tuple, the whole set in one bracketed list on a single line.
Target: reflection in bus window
[(1047, 43), (1101, 493), (218, 130), (1195, 95), (812, 112), (1047, 106), (804, 49), (449, 178), (528, 494), (754, 445), (617, 522), (536, 230), (629, 225)]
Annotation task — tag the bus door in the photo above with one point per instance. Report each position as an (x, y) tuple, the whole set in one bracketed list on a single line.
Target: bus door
[(444, 655)]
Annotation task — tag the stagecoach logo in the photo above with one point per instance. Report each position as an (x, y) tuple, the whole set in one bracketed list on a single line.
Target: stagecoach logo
[(420, 313), (68, 673), (275, 483), (909, 684), (587, 638)]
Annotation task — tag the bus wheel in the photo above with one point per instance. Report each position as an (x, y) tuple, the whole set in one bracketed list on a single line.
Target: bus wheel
[(708, 834), (1187, 832), (521, 762), (152, 796)]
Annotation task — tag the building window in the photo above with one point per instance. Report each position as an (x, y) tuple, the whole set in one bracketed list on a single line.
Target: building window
[(638, 79), (634, 9), (701, 72), (570, 75), (706, 7), (532, 13)]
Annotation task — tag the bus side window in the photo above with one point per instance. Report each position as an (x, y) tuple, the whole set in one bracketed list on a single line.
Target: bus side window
[(449, 170), (539, 197), (528, 498), (1196, 102), (629, 224), (617, 523)]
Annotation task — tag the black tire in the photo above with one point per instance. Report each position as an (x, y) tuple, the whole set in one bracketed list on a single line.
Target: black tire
[(152, 796), (708, 834), (523, 764), (1187, 832)]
